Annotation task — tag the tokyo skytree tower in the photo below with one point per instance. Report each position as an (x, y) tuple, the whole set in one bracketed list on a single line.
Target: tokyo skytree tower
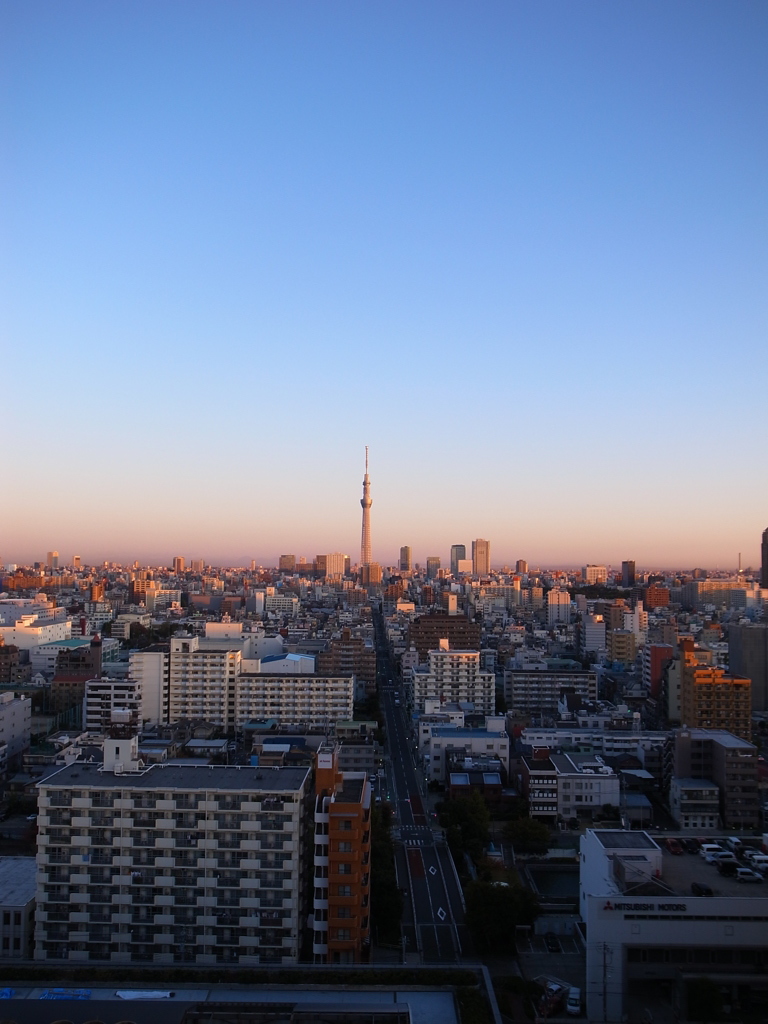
[(366, 502)]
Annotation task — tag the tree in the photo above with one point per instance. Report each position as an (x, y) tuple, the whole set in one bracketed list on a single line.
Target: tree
[(466, 820), (527, 835), (494, 910), (386, 899)]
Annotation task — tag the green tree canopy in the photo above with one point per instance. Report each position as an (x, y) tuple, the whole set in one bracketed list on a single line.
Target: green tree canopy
[(527, 835), (466, 820), (494, 910)]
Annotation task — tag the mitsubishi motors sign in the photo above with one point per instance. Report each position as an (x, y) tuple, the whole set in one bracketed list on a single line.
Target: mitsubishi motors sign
[(661, 908)]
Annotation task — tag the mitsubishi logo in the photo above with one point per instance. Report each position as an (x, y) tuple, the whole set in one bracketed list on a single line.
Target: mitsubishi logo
[(608, 905)]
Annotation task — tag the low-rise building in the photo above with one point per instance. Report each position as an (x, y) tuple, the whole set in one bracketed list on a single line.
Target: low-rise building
[(649, 937), (18, 887)]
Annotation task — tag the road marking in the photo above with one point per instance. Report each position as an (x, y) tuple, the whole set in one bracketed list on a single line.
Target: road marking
[(432, 870), (441, 914)]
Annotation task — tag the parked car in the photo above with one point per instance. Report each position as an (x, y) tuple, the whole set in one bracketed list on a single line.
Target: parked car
[(700, 889), (747, 875), (720, 856), (692, 845), (552, 942), (673, 845), (727, 868)]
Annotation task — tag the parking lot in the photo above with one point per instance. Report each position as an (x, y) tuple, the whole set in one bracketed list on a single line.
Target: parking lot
[(537, 944)]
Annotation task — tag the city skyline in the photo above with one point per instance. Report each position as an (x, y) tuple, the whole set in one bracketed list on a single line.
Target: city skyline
[(526, 243)]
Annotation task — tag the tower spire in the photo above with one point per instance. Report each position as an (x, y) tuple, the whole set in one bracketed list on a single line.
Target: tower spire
[(366, 502)]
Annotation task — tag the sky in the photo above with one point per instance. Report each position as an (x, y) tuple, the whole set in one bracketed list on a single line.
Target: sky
[(518, 249)]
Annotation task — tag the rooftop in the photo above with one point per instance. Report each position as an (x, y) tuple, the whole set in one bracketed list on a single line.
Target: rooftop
[(619, 839), (182, 776), (18, 881)]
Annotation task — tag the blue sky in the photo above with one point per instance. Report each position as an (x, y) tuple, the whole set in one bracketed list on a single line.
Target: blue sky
[(518, 249)]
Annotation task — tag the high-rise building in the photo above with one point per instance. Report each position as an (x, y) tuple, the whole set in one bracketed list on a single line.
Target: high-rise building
[(342, 853), (371, 574), (74, 667), (349, 655), (433, 566), (452, 677), (521, 566), (366, 502), (426, 632), (628, 574), (594, 574), (481, 557), (764, 560), (406, 562), (712, 699), (727, 760), (558, 606), (52, 560), (748, 656), (287, 563), (232, 889), (76, 562), (197, 564), (335, 563), (178, 564), (458, 553)]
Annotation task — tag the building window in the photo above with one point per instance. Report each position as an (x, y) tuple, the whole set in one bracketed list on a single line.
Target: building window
[(345, 869), (344, 912), (344, 890), (345, 825), (343, 933), (17, 918)]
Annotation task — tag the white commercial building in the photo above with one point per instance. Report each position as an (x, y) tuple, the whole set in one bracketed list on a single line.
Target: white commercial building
[(649, 936), (14, 608), (594, 574), (30, 631), (201, 681), (443, 741)]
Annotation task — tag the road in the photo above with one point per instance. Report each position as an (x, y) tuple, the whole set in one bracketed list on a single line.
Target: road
[(433, 918)]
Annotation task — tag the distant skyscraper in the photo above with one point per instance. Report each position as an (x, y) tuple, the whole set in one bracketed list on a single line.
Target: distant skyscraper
[(405, 559), (178, 564), (53, 560), (287, 563), (433, 566), (521, 566), (628, 574), (764, 553), (458, 554), (366, 502), (76, 561), (481, 557)]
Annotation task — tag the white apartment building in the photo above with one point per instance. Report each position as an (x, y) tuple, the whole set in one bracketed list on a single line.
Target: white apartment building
[(30, 631), (314, 702), (103, 697), (171, 863), (150, 668), (537, 690), (202, 682), (636, 621), (454, 677), (15, 725), (558, 606)]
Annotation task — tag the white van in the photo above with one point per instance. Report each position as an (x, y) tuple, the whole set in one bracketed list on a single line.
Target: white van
[(709, 848), (734, 844), (573, 1002)]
